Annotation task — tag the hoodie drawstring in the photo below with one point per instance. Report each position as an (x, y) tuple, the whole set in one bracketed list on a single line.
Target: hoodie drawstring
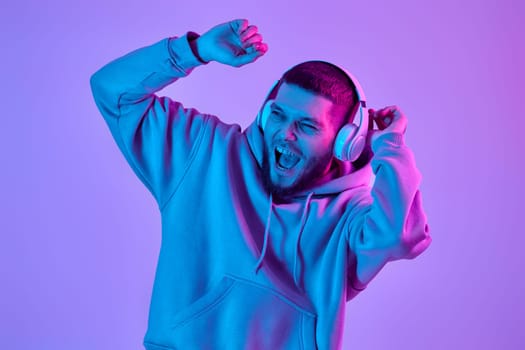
[(303, 222), (297, 241), (266, 233)]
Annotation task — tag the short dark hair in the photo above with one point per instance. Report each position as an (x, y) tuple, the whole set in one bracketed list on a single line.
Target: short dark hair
[(327, 80)]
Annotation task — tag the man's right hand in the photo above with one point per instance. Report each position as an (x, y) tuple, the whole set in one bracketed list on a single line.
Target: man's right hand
[(234, 43)]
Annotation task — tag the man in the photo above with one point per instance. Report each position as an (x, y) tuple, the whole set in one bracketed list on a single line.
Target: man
[(265, 234)]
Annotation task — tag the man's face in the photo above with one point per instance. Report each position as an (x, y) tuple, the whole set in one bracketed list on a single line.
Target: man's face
[(298, 140)]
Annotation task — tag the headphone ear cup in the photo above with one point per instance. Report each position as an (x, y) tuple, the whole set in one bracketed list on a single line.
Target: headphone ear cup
[(351, 139), (343, 142), (356, 147), (264, 113)]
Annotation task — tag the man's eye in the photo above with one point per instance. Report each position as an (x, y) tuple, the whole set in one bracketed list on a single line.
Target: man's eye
[(308, 127), (276, 115)]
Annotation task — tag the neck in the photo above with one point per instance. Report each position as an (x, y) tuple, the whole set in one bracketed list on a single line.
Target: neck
[(334, 170)]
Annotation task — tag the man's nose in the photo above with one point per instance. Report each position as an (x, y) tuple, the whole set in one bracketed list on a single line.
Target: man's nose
[(289, 132)]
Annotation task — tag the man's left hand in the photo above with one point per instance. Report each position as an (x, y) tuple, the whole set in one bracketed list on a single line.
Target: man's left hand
[(389, 119)]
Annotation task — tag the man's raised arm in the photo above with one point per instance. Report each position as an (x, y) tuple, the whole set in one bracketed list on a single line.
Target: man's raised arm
[(156, 134), (389, 223)]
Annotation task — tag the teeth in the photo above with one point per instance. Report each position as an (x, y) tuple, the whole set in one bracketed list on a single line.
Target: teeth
[(285, 151)]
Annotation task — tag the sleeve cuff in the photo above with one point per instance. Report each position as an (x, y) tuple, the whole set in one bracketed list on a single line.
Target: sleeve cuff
[(192, 36), (395, 139), (181, 53)]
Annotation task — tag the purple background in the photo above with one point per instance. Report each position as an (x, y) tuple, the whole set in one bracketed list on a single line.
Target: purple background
[(80, 234)]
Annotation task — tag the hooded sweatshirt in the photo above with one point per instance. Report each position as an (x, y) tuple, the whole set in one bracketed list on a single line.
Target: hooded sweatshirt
[(237, 269)]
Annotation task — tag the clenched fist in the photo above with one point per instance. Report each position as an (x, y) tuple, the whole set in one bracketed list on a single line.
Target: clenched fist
[(234, 43)]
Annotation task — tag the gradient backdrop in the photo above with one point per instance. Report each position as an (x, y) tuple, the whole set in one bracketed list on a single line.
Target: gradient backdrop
[(80, 234)]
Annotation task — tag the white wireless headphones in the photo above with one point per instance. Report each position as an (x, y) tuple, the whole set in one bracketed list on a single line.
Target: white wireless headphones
[(350, 140)]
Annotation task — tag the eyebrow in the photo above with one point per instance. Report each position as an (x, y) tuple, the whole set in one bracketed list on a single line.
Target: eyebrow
[(303, 117)]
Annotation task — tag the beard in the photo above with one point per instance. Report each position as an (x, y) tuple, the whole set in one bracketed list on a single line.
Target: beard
[(312, 170)]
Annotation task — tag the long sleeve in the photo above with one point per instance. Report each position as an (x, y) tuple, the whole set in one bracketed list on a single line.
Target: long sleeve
[(387, 223), (156, 135)]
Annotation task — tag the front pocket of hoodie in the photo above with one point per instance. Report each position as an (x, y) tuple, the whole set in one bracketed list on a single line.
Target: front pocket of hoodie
[(240, 314)]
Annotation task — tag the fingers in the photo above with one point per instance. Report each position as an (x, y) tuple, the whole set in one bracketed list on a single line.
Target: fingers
[(383, 117), (254, 39), (390, 117), (250, 42), (248, 32), (252, 53), (250, 37), (238, 25), (260, 48)]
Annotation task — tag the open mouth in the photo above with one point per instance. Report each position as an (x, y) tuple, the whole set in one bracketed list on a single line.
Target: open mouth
[(285, 158)]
